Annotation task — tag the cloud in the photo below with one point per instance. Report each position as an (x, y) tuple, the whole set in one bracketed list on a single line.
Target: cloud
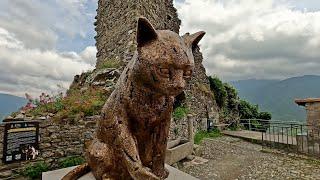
[(254, 39), (33, 70), (46, 24)]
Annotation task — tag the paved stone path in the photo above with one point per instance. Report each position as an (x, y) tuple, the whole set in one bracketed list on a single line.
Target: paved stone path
[(232, 158)]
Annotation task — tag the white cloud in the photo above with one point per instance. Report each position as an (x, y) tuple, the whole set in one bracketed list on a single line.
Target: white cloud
[(43, 24), (33, 70), (254, 39)]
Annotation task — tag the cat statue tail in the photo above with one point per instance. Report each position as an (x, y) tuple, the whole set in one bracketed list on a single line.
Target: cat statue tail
[(77, 172)]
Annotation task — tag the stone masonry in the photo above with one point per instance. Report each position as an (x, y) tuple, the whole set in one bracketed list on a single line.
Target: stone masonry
[(57, 141), (115, 40), (116, 25), (312, 106)]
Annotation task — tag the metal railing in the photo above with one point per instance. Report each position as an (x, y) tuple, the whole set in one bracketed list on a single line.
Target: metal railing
[(290, 135)]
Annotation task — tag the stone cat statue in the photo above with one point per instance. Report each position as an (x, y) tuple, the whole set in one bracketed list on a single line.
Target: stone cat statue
[(131, 137)]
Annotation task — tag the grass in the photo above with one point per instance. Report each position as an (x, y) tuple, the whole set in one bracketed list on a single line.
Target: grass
[(200, 135), (203, 88), (111, 63), (71, 161), (180, 112), (34, 171), (77, 103)]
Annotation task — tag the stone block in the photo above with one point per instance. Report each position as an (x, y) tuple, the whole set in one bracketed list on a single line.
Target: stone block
[(178, 152)]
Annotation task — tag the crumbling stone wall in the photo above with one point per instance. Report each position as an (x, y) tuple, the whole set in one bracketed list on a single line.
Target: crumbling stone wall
[(116, 25), (116, 29), (57, 141)]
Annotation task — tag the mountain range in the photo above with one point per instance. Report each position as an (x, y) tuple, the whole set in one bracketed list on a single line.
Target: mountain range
[(9, 104), (277, 96)]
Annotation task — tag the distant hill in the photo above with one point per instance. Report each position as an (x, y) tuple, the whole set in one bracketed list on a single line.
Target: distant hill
[(9, 104), (277, 96)]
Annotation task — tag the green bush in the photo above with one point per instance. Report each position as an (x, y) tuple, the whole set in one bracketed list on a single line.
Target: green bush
[(218, 88), (265, 115), (71, 161), (247, 110), (34, 171), (232, 100), (180, 112), (204, 134)]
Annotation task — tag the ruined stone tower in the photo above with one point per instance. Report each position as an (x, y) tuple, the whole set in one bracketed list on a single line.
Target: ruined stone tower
[(116, 25), (115, 40)]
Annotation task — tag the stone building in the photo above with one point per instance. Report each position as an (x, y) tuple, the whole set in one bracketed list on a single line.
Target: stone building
[(312, 106), (115, 40)]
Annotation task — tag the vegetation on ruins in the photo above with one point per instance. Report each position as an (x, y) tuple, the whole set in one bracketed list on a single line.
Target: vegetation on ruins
[(34, 171), (200, 135), (180, 112), (111, 63), (71, 161), (203, 88), (76, 103)]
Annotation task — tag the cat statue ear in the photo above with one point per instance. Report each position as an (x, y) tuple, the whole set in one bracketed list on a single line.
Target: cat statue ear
[(145, 32), (193, 39)]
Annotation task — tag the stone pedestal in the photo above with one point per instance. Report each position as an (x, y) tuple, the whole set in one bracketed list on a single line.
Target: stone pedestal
[(175, 174)]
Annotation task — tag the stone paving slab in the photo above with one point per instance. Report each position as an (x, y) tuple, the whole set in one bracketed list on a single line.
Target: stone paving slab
[(175, 174)]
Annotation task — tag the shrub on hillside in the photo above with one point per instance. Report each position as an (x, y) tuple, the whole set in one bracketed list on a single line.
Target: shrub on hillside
[(219, 90), (75, 103), (247, 110), (111, 63)]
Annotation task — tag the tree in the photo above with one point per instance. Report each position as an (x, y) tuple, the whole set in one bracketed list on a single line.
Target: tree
[(219, 90), (264, 116), (248, 111), (232, 100)]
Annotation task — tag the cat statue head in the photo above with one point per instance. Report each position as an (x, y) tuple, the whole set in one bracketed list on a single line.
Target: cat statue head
[(165, 60)]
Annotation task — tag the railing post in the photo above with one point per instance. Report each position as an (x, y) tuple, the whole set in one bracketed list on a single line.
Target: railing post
[(249, 124)]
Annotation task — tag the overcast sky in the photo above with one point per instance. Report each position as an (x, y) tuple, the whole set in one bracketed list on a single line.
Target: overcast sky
[(45, 43)]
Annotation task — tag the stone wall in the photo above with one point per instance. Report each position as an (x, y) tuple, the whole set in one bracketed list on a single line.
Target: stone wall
[(116, 25), (57, 141), (313, 114)]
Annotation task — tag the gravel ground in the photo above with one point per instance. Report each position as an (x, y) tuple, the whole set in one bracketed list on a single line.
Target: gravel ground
[(232, 158)]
